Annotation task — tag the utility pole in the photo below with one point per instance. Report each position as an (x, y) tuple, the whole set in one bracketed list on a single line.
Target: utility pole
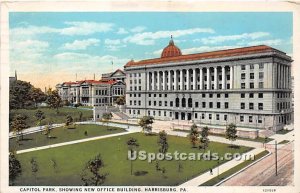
[(276, 158)]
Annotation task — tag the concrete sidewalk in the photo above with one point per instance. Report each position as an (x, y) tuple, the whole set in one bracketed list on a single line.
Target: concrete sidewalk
[(219, 170)]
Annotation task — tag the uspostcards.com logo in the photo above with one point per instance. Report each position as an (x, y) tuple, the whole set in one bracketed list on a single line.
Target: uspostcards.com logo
[(181, 156)]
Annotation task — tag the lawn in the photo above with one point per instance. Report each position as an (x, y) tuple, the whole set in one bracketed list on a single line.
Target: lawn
[(51, 115), (62, 134), (283, 131), (71, 159), (233, 170)]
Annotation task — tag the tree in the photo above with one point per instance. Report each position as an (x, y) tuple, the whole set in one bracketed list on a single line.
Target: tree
[(47, 130), (15, 169), (39, 115), (194, 134), (91, 174), (69, 120), (80, 115), (18, 125), (34, 167), (204, 138), (120, 100), (231, 132), (37, 95), (106, 117), (162, 142), (146, 123), (132, 145), (54, 100)]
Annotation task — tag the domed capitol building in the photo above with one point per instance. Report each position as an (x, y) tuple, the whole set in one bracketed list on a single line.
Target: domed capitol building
[(249, 86)]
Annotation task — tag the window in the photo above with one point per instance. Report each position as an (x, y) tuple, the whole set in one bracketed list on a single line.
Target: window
[(196, 116), (260, 95), (171, 103), (260, 106), (159, 113), (190, 102), (149, 95), (166, 95), (243, 76), (154, 103), (242, 105), (243, 67), (154, 95), (250, 119), (166, 103), (203, 95), (251, 106), (203, 116), (226, 105), (211, 105), (241, 118), (218, 95), (251, 75), (177, 102), (203, 105), (251, 84), (209, 116), (251, 95), (218, 105), (217, 117), (225, 117), (196, 104), (210, 95), (251, 66), (130, 102), (259, 120), (261, 75), (159, 95), (242, 95), (226, 95), (261, 66), (261, 84), (242, 85), (149, 103), (183, 102)]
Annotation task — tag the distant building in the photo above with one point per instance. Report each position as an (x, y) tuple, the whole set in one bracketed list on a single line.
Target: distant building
[(102, 92), (249, 86), (13, 78)]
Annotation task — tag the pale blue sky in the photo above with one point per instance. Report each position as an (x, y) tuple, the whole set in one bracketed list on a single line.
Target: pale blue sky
[(47, 48)]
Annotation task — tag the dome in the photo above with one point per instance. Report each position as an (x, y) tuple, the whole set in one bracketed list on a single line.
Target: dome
[(171, 50)]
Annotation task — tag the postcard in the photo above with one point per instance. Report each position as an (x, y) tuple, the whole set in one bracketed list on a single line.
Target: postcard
[(140, 96)]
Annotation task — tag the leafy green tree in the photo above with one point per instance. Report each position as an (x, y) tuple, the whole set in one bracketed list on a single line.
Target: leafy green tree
[(194, 135), (39, 115), (15, 169), (231, 132), (80, 116), (34, 168), (132, 145), (204, 141), (146, 123), (37, 95), (120, 100), (18, 125), (163, 142), (106, 117), (69, 120), (47, 130), (91, 174), (54, 100)]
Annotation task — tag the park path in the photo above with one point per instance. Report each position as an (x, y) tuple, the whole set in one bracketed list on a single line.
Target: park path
[(73, 142)]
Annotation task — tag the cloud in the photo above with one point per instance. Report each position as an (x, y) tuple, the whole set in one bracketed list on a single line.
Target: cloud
[(114, 44), (244, 36), (138, 29), (81, 44), (122, 31), (148, 38), (273, 42)]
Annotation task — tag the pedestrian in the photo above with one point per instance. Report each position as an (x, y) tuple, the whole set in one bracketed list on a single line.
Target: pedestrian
[(211, 172)]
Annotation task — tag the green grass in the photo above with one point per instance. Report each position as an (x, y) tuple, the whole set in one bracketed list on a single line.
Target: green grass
[(233, 170), (259, 139), (71, 159), (61, 134), (283, 131), (51, 115), (284, 142)]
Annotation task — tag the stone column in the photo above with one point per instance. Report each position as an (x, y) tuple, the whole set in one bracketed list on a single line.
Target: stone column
[(170, 80), (223, 78), (201, 78), (216, 78), (194, 79), (90, 94), (164, 80), (175, 80), (231, 77), (286, 77), (148, 81), (153, 81), (188, 81), (208, 78), (181, 79), (158, 81)]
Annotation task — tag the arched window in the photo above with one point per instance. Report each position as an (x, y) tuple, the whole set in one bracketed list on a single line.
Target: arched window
[(177, 102), (183, 102), (190, 102)]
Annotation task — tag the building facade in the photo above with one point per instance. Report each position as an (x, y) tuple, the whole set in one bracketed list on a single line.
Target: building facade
[(102, 92), (248, 86)]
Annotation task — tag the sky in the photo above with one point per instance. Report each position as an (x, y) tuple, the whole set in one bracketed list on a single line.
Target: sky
[(47, 48)]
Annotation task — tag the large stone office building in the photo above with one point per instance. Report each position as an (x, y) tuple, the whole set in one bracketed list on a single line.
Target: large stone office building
[(249, 86)]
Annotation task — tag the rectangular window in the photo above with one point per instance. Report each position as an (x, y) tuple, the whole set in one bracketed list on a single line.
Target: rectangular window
[(203, 116), (196, 116), (259, 119), (160, 103), (242, 95), (251, 95), (166, 103), (211, 105), (225, 117), (218, 95), (226, 95), (242, 85), (226, 105), (242, 105), (154, 103), (209, 116), (171, 103), (217, 117), (140, 103), (243, 67), (241, 118), (251, 84), (251, 66), (243, 76), (261, 75), (261, 84), (260, 95), (250, 119), (252, 76), (203, 105), (203, 95), (218, 105), (261, 66), (251, 106), (210, 95), (149, 102), (196, 104), (260, 106)]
